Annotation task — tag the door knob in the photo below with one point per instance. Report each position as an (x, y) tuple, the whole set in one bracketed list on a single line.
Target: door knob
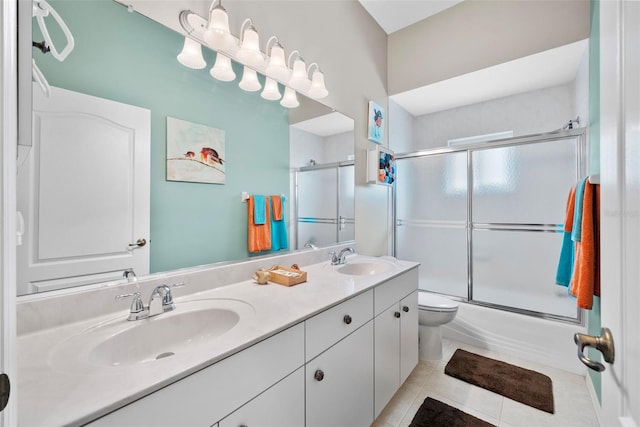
[(138, 244), (603, 343)]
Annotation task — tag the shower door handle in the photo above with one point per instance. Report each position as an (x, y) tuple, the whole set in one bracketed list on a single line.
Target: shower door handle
[(603, 343)]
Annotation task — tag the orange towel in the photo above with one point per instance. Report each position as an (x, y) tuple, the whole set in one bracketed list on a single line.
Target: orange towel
[(259, 236), (586, 275), (277, 207)]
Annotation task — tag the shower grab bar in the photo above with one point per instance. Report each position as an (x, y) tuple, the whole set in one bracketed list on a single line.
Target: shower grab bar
[(313, 220)]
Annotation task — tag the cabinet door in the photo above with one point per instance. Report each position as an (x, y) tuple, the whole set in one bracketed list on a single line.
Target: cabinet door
[(280, 406), (340, 383), (408, 335), (387, 356)]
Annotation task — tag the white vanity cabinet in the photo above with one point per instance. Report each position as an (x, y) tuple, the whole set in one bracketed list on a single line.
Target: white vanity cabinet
[(207, 396), (339, 369), (396, 335)]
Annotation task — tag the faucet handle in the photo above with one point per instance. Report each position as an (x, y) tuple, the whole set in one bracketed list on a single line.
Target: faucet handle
[(137, 309), (334, 257), (167, 299)]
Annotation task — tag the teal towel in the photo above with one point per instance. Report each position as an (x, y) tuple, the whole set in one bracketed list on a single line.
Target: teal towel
[(576, 234), (278, 230), (565, 264), (259, 210)]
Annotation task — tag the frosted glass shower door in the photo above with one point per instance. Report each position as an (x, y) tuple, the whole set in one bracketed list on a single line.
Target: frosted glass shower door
[(518, 206), (317, 206), (431, 219)]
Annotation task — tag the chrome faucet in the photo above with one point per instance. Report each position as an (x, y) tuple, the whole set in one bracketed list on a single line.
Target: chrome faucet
[(341, 257), (310, 245), (161, 301)]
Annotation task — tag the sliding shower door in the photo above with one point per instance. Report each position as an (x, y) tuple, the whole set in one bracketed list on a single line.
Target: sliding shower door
[(325, 204), (431, 220), (485, 220), (518, 207)]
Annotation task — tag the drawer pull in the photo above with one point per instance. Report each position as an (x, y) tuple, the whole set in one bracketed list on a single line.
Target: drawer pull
[(405, 309), (347, 319), (319, 375), (396, 314)]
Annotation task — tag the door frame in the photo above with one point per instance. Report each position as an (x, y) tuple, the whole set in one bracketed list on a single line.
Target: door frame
[(619, 118), (9, 124)]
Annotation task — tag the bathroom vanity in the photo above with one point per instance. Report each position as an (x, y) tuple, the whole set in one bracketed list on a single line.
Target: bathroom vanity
[(330, 351)]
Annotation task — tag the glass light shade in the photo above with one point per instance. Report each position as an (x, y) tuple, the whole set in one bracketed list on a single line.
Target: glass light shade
[(249, 80), (217, 34), (277, 67), (191, 55), (289, 100), (222, 69), (299, 79), (271, 90), (249, 52), (318, 89)]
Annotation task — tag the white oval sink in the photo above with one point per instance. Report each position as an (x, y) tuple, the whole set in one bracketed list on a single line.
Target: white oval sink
[(162, 336), (119, 342), (365, 268)]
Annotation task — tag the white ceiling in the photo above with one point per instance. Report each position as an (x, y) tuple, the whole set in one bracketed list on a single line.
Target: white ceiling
[(330, 124), (393, 15)]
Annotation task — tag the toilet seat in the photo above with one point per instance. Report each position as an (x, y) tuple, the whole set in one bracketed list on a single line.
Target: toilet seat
[(433, 302)]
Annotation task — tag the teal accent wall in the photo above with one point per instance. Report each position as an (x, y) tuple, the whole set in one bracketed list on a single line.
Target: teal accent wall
[(129, 58), (593, 320)]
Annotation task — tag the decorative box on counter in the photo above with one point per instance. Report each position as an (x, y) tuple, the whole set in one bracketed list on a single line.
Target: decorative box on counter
[(286, 276)]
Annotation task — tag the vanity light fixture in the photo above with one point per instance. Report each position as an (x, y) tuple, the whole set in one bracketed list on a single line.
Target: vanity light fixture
[(299, 80), (271, 90), (249, 80), (222, 69), (249, 52), (214, 33), (191, 55), (217, 34), (289, 100), (317, 89), (277, 67)]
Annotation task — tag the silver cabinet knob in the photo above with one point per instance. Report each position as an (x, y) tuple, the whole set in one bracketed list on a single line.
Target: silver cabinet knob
[(347, 319), (319, 375)]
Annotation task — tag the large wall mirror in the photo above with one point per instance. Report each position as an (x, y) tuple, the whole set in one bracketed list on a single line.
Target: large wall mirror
[(94, 204)]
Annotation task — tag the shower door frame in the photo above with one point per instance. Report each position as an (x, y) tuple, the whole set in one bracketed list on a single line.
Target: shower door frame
[(339, 220), (582, 154)]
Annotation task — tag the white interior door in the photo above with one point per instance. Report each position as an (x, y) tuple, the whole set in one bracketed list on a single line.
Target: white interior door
[(83, 191), (620, 186)]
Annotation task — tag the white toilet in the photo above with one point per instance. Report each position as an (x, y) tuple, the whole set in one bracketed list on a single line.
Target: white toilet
[(434, 311)]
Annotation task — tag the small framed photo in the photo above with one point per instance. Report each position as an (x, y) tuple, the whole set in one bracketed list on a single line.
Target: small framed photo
[(381, 167), (376, 123)]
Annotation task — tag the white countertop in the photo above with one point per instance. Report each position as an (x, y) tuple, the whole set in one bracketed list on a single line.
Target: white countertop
[(52, 393)]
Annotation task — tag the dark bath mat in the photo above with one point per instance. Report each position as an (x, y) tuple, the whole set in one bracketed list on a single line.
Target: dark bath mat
[(433, 413), (522, 385)]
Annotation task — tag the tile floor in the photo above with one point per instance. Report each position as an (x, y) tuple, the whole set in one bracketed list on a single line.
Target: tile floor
[(573, 405)]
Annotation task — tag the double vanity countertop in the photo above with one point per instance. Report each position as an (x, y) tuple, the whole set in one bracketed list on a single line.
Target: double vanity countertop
[(61, 381)]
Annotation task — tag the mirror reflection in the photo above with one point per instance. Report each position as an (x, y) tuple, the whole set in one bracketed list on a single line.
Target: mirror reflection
[(93, 187)]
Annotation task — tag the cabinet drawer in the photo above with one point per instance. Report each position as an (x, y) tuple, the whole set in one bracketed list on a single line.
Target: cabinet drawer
[(206, 396), (330, 326), (394, 290), (287, 396)]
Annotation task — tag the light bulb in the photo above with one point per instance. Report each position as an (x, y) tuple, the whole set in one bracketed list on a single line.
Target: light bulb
[(317, 89), (299, 79), (191, 55), (289, 100), (217, 34), (271, 90), (249, 80), (222, 69), (277, 67), (249, 52)]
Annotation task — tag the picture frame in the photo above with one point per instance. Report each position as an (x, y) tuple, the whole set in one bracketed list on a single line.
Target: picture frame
[(195, 152), (375, 122), (381, 166)]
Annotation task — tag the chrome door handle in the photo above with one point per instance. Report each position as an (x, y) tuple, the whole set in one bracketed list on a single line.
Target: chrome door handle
[(603, 343), (138, 244)]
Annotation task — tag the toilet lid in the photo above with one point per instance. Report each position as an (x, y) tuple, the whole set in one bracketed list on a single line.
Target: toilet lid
[(427, 299)]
